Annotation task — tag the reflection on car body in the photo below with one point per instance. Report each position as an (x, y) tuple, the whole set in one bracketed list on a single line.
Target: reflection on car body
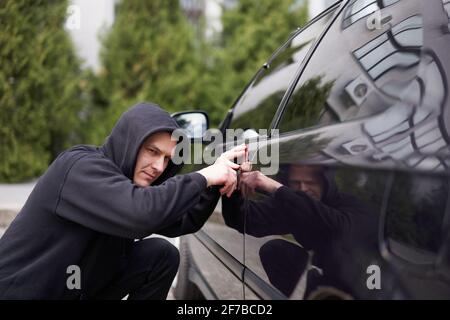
[(365, 113), (333, 225)]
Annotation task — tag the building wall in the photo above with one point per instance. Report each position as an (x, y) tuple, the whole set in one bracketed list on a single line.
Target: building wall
[(94, 16)]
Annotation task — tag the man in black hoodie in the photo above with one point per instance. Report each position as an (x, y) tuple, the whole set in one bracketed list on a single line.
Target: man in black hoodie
[(86, 211)]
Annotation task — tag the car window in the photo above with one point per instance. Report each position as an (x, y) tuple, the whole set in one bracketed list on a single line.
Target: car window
[(256, 107), (398, 72), (359, 69), (414, 216)]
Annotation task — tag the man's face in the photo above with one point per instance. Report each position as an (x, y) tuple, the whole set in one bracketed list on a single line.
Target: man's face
[(153, 158), (307, 179)]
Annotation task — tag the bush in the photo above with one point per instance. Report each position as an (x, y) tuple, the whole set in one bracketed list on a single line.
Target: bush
[(39, 87), (150, 54)]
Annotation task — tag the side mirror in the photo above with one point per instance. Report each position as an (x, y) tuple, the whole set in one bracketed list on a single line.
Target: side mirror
[(195, 123)]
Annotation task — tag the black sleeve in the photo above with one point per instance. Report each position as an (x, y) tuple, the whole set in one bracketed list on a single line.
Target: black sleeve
[(312, 221), (196, 217), (263, 216), (287, 212), (97, 195)]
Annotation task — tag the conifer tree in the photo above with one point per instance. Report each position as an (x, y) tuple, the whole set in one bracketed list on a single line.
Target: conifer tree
[(39, 86)]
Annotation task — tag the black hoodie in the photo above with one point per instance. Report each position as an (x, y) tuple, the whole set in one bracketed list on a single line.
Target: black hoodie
[(86, 211)]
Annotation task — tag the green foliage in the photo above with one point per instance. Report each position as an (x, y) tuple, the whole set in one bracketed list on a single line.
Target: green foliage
[(252, 31), (306, 105), (150, 54), (39, 87), (261, 116)]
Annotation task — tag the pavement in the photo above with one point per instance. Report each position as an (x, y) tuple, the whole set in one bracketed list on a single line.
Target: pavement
[(13, 197)]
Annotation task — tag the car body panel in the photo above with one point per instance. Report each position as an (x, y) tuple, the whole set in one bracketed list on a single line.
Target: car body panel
[(377, 130)]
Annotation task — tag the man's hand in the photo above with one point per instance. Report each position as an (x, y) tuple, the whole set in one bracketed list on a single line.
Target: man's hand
[(250, 181), (223, 171)]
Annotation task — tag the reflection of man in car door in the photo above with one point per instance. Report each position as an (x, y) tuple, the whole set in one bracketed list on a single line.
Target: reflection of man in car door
[(307, 204)]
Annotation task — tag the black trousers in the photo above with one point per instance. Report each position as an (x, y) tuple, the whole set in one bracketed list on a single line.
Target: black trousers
[(147, 274)]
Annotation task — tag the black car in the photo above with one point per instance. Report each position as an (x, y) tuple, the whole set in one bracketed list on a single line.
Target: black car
[(360, 99)]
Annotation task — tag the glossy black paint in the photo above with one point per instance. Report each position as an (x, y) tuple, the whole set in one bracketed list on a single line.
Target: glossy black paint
[(364, 114)]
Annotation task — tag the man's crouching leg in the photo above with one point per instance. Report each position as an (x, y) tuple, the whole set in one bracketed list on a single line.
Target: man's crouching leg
[(151, 268), (161, 265)]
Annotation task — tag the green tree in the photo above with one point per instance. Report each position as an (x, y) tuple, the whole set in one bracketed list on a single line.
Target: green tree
[(39, 87), (150, 54), (252, 31)]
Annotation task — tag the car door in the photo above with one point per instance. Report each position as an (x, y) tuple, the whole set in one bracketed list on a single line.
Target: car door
[(415, 233), (255, 110), (252, 116), (375, 84)]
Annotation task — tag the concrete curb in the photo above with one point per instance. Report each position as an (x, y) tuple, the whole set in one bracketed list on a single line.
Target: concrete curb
[(7, 216)]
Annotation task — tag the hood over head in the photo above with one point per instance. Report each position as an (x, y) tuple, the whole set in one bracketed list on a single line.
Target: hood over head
[(330, 192), (131, 130)]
